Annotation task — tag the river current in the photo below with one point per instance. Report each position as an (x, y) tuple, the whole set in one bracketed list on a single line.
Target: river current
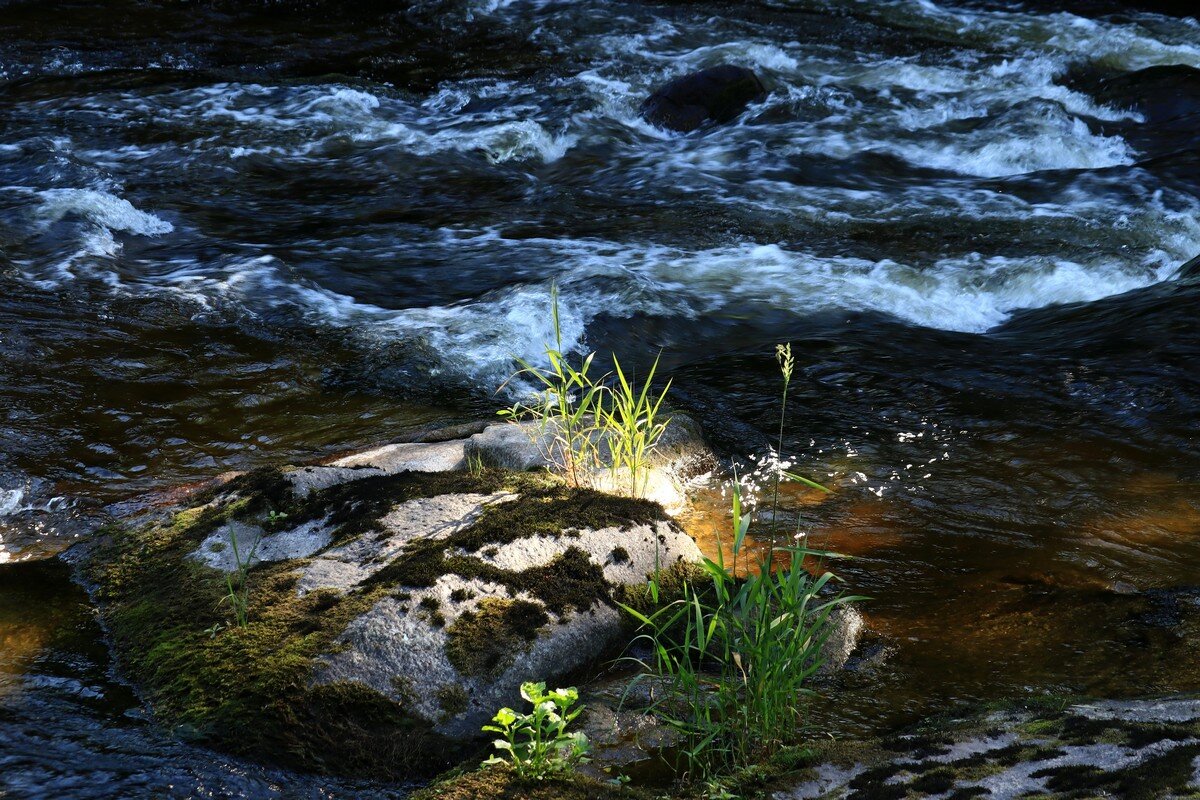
[(242, 234)]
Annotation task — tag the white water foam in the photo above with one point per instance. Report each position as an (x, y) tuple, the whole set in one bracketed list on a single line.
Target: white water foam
[(104, 209), (101, 214), (12, 502), (1041, 138), (995, 107), (1037, 124), (1123, 45), (304, 121), (478, 340)]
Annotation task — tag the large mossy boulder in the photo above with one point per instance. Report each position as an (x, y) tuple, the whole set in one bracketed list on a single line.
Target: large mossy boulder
[(390, 611)]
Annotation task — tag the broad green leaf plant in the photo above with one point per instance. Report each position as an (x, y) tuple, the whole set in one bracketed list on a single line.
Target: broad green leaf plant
[(537, 746)]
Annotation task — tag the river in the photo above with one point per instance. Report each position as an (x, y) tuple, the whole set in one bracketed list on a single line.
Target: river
[(235, 234)]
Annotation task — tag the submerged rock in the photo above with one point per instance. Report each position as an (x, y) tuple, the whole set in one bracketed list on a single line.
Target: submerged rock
[(388, 615), (1127, 749), (1164, 95), (717, 94), (37, 523)]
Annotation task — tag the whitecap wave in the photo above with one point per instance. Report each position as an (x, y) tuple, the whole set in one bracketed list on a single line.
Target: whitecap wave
[(478, 340), (1033, 138), (101, 208), (303, 121)]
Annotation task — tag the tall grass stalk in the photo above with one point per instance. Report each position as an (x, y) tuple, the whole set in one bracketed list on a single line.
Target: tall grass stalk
[(734, 657), (631, 427), (238, 593), (584, 421), (566, 410)]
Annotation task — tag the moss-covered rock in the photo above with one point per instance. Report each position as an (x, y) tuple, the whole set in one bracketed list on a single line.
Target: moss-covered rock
[(501, 784), (387, 616)]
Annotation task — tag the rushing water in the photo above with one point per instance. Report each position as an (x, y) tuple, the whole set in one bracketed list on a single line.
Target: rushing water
[(235, 237)]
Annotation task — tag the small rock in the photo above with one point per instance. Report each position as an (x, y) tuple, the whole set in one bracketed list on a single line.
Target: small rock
[(716, 94), (846, 628)]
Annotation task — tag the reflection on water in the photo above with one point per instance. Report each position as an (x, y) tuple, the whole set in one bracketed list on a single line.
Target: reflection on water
[(1105, 606), (37, 608)]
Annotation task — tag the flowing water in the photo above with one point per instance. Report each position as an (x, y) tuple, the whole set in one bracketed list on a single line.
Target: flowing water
[(231, 237)]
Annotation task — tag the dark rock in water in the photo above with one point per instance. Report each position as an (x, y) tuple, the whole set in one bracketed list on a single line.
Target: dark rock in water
[(717, 93), (1162, 94), (1167, 98)]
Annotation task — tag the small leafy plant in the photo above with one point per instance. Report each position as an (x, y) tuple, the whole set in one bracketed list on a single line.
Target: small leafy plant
[(586, 422), (537, 746), (565, 410), (237, 592)]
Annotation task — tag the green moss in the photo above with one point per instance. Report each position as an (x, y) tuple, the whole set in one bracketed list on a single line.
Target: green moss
[(498, 783), (788, 762), (247, 689), (486, 642), (355, 508), (402, 687), (571, 582), (452, 699), (619, 555), (671, 582), (431, 606), (556, 510), (1039, 727), (254, 494), (1149, 778), (936, 781)]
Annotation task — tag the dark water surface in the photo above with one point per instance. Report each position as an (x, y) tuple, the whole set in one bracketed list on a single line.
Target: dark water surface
[(233, 237)]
